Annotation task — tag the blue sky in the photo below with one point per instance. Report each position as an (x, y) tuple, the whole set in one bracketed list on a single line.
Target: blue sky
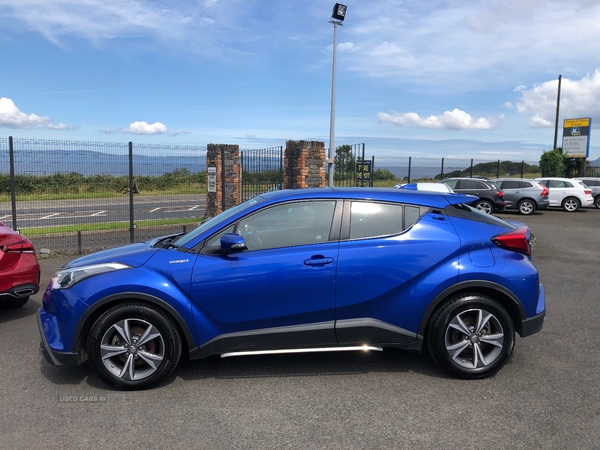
[(452, 78)]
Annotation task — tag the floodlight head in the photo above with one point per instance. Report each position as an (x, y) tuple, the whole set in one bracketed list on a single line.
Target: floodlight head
[(339, 12)]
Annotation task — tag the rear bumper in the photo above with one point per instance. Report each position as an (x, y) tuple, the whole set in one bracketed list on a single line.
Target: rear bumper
[(534, 324)]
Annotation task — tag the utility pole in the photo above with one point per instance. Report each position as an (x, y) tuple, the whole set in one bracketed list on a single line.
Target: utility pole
[(557, 113)]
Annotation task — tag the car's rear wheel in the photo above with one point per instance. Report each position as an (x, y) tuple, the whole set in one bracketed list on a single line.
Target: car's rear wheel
[(484, 206), (471, 336), (597, 202), (526, 207), (13, 302), (571, 204), (134, 346)]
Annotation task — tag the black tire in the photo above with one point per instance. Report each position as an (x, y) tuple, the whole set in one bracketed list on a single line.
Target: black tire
[(571, 204), (469, 353), (13, 302), (134, 346), (526, 207), (485, 206), (597, 202)]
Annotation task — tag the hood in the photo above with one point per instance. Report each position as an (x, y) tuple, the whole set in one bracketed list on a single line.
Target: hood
[(134, 255)]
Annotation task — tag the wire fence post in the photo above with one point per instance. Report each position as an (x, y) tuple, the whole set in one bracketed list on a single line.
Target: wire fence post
[(442, 172), (498, 170), (13, 189), (131, 187)]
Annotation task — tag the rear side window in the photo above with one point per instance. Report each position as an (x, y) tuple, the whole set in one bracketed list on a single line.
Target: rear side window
[(464, 211), (373, 219), (467, 184), (510, 184)]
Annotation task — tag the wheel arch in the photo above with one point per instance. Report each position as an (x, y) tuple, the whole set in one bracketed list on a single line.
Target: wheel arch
[(100, 307), (505, 297)]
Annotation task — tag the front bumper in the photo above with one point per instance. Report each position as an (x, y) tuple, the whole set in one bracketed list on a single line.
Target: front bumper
[(54, 357)]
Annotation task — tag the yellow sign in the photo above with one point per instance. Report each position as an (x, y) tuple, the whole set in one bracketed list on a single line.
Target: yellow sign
[(569, 123)]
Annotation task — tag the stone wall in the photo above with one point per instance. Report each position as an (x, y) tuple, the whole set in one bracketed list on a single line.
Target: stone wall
[(304, 164), (225, 159)]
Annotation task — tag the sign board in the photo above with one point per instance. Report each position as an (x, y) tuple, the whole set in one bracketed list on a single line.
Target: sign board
[(211, 179), (576, 137), (364, 170)]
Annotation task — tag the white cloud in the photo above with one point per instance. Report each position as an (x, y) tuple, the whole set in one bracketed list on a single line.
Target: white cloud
[(143, 128), (12, 117), (578, 98), (540, 122), (450, 120), (146, 128)]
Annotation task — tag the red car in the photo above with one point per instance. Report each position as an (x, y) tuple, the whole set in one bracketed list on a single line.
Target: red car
[(19, 269)]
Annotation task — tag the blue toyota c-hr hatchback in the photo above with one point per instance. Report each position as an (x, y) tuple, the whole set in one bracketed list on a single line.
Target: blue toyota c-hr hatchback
[(302, 271)]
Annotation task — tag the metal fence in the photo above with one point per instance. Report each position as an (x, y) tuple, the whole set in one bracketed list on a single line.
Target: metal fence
[(59, 193), (421, 168), (262, 170), (351, 167)]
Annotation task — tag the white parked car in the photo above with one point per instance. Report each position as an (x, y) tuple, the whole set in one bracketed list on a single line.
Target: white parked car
[(567, 193), (434, 187)]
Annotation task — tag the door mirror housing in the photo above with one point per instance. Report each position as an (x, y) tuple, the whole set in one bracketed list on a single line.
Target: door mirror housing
[(232, 243)]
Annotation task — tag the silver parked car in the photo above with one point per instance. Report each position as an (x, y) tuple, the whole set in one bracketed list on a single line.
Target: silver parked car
[(594, 184), (526, 196)]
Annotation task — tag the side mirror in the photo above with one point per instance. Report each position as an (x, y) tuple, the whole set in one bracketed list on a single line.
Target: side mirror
[(231, 243)]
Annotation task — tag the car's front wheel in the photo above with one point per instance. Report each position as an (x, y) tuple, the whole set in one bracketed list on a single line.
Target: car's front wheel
[(484, 206), (526, 207), (471, 336), (134, 346), (571, 204)]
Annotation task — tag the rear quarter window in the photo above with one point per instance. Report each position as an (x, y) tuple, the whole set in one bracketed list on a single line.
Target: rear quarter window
[(464, 211)]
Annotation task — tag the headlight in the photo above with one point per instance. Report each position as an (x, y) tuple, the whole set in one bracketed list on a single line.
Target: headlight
[(64, 279)]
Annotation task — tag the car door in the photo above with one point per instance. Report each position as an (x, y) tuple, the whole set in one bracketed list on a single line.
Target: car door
[(389, 267), (557, 191), (280, 292), (513, 191)]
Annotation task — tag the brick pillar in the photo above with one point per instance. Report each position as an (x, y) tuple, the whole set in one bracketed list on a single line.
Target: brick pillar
[(223, 177), (304, 165)]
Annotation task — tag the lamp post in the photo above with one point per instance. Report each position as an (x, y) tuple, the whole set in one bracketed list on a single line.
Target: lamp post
[(337, 17)]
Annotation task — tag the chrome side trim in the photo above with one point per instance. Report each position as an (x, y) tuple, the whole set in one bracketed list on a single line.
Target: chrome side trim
[(304, 350)]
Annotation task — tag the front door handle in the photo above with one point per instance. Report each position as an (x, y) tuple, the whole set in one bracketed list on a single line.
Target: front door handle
[(318, 260)]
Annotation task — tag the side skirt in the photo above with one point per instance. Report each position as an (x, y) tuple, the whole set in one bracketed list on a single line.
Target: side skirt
[(364, 348)]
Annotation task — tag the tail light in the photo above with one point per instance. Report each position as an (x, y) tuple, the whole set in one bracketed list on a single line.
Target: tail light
[(18, 247), (500, 194), (587, 191), (545, 190), (516, 240)]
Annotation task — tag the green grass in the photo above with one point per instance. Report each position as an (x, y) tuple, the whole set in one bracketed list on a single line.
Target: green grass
[(108, 226)]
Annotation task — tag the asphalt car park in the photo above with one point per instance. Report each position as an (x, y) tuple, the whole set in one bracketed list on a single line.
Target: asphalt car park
[(547, 396)]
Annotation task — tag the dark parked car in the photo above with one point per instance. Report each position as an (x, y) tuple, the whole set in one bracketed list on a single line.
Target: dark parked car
[(594, 184), (526, 196), (305, 270), (491, 197), (19, 269)]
